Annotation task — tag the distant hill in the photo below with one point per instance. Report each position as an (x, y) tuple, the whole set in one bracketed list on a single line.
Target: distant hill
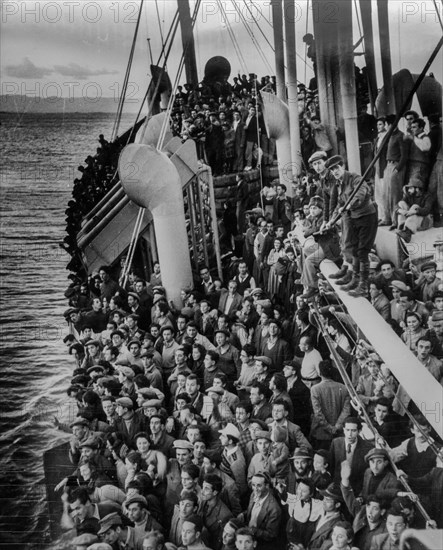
[(31, 104)]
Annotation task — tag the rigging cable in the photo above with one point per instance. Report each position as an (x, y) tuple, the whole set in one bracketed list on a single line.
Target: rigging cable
[(126, 78), (438, 13), (176, 82), (159, 23), (251, 35), (238, 52)]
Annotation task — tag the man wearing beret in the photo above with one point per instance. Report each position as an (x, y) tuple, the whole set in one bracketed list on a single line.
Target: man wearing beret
[(362, 215)]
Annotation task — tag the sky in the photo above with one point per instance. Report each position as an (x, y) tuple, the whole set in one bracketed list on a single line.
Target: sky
[(80, 48)]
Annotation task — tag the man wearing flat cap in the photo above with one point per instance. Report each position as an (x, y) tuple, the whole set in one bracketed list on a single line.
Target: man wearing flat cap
[(362, 216), (114, 532), (81, 433), (261, 461), (126, 378), (327, 183), (264, 514), (93, 354), (183, 456), (428, 283), (128, 424), (233, 461), (137, 511)]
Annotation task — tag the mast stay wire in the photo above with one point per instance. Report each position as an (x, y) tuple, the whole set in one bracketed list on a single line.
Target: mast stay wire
[(240, 57), (159, 22), (251, 35), (438, 13), (382, 377), (173, 29), (352, 392), (126, 78), (176, 82)]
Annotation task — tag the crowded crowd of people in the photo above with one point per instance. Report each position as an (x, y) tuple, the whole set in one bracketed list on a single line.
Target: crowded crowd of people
[(221, 422)]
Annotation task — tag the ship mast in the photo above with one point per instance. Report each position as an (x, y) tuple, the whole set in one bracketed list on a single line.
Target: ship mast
[(385, 50), (368, 33), (184, 14), (277, 24)]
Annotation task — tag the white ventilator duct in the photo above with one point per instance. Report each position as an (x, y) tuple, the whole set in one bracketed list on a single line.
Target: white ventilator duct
[(151, 180), (151, 129), (276, 117), (415, 378)]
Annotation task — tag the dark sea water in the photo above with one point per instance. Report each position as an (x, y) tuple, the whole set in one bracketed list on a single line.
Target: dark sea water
[(39, 158)]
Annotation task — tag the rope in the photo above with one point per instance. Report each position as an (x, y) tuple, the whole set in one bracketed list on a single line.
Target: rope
[(126, 78), (132, 245), (352, 392)]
